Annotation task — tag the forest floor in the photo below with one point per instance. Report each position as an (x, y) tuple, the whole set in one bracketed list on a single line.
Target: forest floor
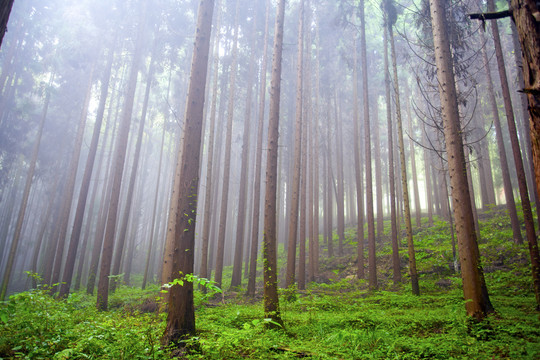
[(336, 317)]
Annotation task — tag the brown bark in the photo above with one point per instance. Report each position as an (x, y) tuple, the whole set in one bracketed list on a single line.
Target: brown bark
[(518, 161), (295, 186), (258, 162), (404, 186), (471, 270), (412, 155), (85, 186), (242, 202), (396, 264), (227, 162), (271, 300), (119, 158), (378, 172), (181, 317)]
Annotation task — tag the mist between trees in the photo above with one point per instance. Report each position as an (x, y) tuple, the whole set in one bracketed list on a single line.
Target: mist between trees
[(128, 155)]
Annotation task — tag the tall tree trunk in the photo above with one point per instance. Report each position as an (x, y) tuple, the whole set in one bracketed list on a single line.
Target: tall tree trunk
[(367, 134), (26, 193), (271, 299), (471, 269), (360, 273), (378, 172), (133, 176), (258, 162), (417, 206), (406, 204), (69, 187), (85, 186), (209, 194), (396, 265), (520, 169), (227, 162), (295, 186), (119, 159), (181, 317), (340, 195), (242, 203)]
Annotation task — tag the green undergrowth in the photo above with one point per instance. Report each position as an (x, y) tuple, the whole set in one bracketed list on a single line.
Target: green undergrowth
[(336, 317)]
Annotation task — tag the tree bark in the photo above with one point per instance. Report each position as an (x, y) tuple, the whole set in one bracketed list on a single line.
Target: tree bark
[(471, 269), (271, 299), (181, 317), (406, 204), (5, 10)]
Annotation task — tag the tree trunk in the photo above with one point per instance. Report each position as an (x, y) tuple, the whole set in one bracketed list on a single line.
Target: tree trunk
[(242, 203), (119, 159), (520, 169), (471, 269), (85, 186), (396, 264), (258, 162), (181, 317), (24, 202), (271, 299), (227, 163), (295, 186), (340, 195), (406, 204)]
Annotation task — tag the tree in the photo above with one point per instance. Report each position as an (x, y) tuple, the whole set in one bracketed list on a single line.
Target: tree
[(476, 303), (119, 158), (181, 317), (401, 146), (26, 194), (271, 299), (83, 193), (5, 10), (298, 133)]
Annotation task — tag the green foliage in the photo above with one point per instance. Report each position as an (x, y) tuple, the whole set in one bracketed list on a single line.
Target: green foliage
[(340, 319)]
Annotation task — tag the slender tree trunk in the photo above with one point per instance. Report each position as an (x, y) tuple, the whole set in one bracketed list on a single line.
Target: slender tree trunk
[(69, 187), (417, 207), (520, 169), (119, 159), (227, 163), (242, 202), (271, 300), (378, 172), (83, 194), (407, 218), (258, 162), (295, 186), (340, 195), (26, 193), (181, 317), (396, 265), (508, 193)]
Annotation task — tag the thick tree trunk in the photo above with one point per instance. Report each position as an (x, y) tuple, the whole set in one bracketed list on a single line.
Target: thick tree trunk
[(181, 317), (471, 269)]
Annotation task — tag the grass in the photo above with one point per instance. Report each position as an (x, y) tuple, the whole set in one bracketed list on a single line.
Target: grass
[(338, 319)]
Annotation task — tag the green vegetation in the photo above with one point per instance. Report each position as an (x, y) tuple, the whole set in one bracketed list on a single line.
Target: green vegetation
[(337, 318)]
